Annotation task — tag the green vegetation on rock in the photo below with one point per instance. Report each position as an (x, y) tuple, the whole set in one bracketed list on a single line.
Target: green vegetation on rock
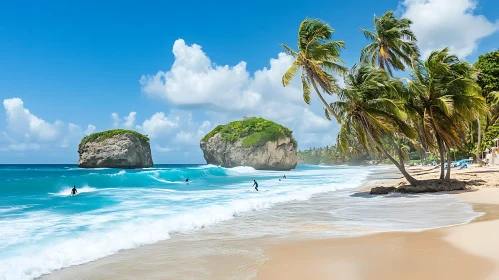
[(101, 136), (253, 132)]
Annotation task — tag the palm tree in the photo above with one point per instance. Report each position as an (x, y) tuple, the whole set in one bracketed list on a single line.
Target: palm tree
[(393, 43), (479, 144), (318, 59), (444, 97), (367, 112)]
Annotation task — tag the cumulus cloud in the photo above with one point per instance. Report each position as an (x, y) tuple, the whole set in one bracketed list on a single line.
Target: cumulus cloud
[(158, 125), (21, 122), (225, 93), (90, 129), (448, 23), (126, 122), (26, 131), (195, 80), (130, 119)]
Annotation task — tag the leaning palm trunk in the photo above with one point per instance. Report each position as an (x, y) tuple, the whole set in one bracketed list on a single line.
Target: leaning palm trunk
[(327, 107), (441, 151), (447, 176), (479, 144), (400, 165)]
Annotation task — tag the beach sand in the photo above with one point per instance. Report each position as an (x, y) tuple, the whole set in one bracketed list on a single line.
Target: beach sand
[(469, 251)]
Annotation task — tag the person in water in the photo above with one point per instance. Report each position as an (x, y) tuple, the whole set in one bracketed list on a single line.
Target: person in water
[(74, 191), (187, 180), (284, 177), (255, 185)]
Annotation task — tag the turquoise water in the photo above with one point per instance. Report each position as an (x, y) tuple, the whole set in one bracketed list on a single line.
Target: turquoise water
[(43, 228)]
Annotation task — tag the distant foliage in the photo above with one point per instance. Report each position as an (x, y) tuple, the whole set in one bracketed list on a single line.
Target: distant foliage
[(253, 132), (488, 78), (491, 134), (331, 155), (101, 136)]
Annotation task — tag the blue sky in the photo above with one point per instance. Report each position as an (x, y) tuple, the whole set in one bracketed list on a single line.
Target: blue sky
[(65, 65)]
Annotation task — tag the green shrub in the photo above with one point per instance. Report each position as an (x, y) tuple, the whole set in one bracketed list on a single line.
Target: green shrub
[(101, 136), (253, 131), (213, 132)]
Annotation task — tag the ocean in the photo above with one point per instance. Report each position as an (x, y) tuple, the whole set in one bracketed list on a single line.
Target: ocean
[(43, 228)]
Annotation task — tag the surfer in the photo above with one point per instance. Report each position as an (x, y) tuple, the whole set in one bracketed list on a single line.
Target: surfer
[(187, 180), (74, 191), (255, 185), (284, 177)]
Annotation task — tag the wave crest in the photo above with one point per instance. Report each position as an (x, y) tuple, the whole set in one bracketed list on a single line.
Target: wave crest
[(67, 190)]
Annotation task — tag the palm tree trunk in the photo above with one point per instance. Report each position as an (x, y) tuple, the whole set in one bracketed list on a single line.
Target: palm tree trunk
[(322, 98), (440, 145), (400, 167), (447, 176), (479, 144)]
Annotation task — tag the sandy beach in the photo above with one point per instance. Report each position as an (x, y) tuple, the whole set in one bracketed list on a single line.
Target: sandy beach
[(466, 251), (461, 252)]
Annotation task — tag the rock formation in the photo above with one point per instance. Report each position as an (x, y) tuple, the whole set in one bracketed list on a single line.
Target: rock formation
[(115, 149), (254, 142)]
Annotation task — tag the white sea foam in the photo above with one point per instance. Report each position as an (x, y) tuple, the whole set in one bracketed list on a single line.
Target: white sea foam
[(121, 172), (117, 229), (13, 208), (67, 190), (81, 248), (147, 215), (164, 181), (240, 170), (207, 166)]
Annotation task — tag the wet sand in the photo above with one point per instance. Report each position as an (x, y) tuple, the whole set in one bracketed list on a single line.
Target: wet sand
[(468, 251)]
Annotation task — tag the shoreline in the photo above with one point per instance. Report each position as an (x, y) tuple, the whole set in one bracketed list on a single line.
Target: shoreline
[(465, 251), (262, 258)]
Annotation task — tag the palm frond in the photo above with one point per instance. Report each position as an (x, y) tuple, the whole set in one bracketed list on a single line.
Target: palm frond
[(306, 89), (290, 73)]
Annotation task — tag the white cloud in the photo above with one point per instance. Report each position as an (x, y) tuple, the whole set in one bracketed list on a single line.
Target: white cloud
[(192, 80), (130, 119), (116, 119), (23, 147), (225, 93), (163, 149), (21, 122), (448, 23), (158, 125), (90, 129), (126, 122), (26, 131)]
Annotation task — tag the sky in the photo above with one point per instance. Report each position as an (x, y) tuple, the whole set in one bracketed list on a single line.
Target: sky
[(173, 70)]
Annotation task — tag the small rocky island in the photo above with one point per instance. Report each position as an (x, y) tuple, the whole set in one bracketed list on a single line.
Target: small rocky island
[(255, 142), (117, 148)]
